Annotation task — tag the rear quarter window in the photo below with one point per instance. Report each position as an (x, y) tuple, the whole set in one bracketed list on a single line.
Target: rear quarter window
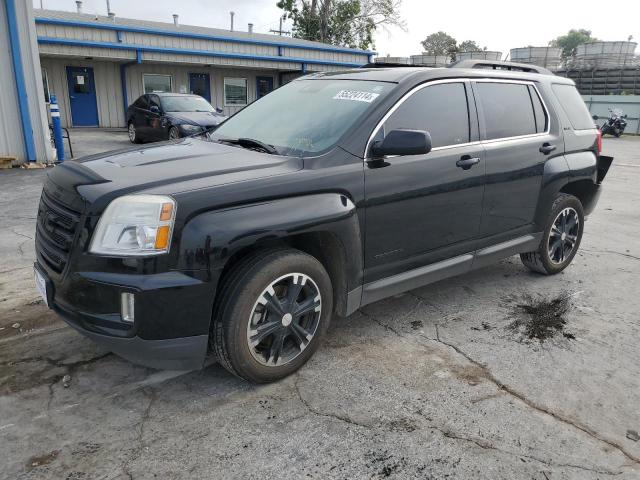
[(573, 106)]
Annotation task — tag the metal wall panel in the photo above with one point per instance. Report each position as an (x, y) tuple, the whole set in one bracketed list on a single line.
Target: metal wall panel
[(180, 80), (108, 90), (11, 142), (11, 134)]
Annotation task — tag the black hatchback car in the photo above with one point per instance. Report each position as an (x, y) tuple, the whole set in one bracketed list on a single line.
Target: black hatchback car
[(330, 193), (167, 116)]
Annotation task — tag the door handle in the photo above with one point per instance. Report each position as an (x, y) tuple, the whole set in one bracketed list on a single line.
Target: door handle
[(466, 162), (547, 148)]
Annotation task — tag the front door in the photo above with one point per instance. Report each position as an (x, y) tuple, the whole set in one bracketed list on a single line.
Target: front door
[(82, 97), (421, 209), (199, 85), (264, 85)]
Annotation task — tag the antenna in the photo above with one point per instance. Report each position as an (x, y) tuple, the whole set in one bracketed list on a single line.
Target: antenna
[(280, 31)]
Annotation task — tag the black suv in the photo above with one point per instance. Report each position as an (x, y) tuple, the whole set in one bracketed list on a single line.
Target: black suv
[(332, 192)]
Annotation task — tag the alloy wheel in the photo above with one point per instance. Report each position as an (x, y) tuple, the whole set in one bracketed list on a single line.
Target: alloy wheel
[(284, 319), (563, 235), (174, 134), (132, 132)]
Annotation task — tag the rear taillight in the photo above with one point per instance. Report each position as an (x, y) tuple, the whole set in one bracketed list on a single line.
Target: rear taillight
[(599, 142)]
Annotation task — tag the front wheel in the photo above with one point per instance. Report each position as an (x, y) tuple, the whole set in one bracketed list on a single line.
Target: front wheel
[(561, 238), (174, 133), (271, 314)]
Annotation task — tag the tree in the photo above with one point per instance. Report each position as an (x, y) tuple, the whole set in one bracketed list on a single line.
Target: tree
[(439, 43), (571, 40), (469, 46), (349, 23)]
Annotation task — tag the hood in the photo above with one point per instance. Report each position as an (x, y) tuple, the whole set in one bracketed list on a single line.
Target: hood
[(168, 167), (204, 119)]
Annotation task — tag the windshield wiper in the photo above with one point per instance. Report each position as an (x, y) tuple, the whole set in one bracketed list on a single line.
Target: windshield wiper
[(250, 143)]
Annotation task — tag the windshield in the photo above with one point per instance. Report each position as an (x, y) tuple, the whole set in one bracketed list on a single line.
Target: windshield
[(304, 117), (185, 104)]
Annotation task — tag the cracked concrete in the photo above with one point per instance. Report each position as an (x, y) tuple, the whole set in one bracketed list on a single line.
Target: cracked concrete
[(430, 384)]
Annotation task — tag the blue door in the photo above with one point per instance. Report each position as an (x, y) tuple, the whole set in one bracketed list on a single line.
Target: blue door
[(264, 85), (199, 85), (82, 97)]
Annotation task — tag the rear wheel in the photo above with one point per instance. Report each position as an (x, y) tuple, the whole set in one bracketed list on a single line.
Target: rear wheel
[(272, 312), (133, 133), (561, 238)]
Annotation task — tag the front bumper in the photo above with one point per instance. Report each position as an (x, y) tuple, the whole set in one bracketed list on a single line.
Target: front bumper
[(184, 353), (172, 314)]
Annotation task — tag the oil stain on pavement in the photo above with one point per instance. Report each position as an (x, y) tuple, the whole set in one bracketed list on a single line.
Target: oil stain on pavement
[(540, 317)]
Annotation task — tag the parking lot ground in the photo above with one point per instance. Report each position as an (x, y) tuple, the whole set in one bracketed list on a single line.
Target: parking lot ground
[(441, 382), (87, 141)]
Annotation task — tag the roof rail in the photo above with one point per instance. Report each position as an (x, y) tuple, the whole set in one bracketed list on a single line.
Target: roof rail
[(497, 65)]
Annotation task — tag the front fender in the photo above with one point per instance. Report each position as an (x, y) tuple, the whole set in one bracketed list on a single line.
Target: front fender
[(211, 238)]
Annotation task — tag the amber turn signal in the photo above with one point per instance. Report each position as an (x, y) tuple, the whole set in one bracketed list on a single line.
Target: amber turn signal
[(162, 237)]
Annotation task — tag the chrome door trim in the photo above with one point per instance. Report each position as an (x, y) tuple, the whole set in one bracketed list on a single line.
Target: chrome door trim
[(466, 144)]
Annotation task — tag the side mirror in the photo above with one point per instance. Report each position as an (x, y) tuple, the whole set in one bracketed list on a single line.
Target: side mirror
[(595, 117), (219, 110), (154, 109), (402, 142)]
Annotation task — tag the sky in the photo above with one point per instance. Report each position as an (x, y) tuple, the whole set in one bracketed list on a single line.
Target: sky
[(497, 25)]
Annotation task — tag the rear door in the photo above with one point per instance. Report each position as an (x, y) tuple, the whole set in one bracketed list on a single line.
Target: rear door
[(516, 135), (421, 209), (139, 117)]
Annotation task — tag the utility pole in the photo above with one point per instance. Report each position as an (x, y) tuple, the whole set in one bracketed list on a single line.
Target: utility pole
[(280, 31)]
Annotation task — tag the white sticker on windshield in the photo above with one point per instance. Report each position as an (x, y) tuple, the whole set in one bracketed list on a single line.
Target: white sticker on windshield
[(356, 96)]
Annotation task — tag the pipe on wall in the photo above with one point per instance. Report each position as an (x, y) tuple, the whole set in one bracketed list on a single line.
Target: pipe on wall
[(123, 81)]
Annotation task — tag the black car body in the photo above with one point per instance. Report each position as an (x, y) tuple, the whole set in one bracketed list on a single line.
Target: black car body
[(358, 212), (163, 116)]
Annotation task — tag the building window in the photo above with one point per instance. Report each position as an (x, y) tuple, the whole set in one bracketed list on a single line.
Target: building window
[(235, 92), (154, 83), (45, 84)]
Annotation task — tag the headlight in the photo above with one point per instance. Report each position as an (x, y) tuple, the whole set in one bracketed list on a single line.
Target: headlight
[(189, 129), (136, 225)]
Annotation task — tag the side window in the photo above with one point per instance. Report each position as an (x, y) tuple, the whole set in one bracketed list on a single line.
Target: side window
[(538, 110), (439, 109), (507, 109), (154, 101), (142, 103), (573, 106)]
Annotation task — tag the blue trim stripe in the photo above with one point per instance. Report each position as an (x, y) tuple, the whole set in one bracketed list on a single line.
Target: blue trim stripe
[(200, 36), (181, 51), (23, 103)]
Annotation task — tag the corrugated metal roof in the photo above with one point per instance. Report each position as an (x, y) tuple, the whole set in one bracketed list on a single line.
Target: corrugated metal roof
[(170, 27)]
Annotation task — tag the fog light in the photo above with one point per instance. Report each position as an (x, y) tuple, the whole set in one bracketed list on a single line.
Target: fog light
[(127, 302)]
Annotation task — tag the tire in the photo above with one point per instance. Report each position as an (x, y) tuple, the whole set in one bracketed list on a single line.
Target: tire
[(174, 133), (617, 133), (133, 133), (243, 306), (560, 241)]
